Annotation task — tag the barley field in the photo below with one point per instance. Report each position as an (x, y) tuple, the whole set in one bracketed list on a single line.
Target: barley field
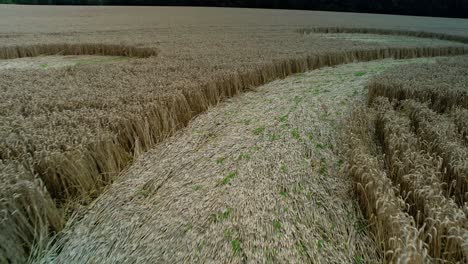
[(87, 91)]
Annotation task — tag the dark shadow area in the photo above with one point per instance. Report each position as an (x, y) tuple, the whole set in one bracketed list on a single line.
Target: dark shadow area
[(440, 8)]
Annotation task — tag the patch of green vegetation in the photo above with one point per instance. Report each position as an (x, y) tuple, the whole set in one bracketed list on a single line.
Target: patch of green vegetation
[(244, 156), (228, 178), (284, 193), (196, 187), (210, 134), (220, 216), (297, 99), (319, 203), (300, 76), (143, 192), (220, 161), (295, 134), (271, 255), (259, 130), (255, 148), (313, 90), (339, 162), (360, 225), (355, 93), (229, 113), (324, 115), (358, 260), (301, 248), (298, 188), (283, 168), (283, 118), (323, 168), (273, 137), (228, 234), (236, 246), (44, 66), (200, 245), (350, 216), (320, 244), (310, 136), (318, 91), (277, 226), (359, 73), (318, 146), (188, 227)]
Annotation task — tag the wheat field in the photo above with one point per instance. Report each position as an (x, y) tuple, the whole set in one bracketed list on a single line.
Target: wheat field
[(259, 178), (412, 135), (68, 132)]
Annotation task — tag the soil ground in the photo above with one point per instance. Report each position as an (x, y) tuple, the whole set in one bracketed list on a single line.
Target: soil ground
[(257, 178)]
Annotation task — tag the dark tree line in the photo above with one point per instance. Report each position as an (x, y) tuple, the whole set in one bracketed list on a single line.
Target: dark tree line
[(446, 8)]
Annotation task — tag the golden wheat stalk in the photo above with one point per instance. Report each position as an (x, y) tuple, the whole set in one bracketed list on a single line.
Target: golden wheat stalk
[(28, 214), (440, 137), (394, 229), (417, 175)]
